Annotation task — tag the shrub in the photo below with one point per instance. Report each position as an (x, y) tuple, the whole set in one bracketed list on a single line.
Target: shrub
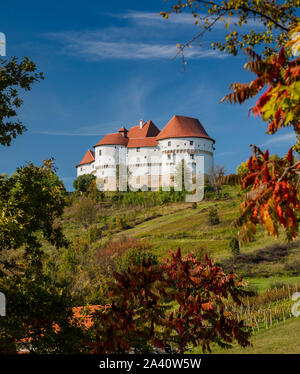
[(121, 223), (135, 256), (108, 256), (234, 246), (140, 317), (82, 183), (213, 217), (85, 212), (94, 233)]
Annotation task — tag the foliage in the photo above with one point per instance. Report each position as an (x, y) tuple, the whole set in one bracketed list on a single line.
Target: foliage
[(94, 233), (83, 182), (85, 211), (274, 17), (279, 105), (30, 201), (39, 315), (113, 255), (242, 168), (38, 307), (213, 217), (121, 222), (273, 196), (234, 246), (217, 178), (271, 184), (135, 256), (14, 75), (139, 318)]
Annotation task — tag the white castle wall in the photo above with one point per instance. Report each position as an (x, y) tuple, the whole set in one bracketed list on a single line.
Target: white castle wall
[(150, 167), (86, 169), (174, 150)]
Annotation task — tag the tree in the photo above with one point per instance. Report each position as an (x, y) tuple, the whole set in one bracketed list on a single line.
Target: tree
[(14, 75), (217, 178), (140, 317), (39, 313), (213, 217), (234, 246), (276, 18), (83, 182), (273, 199)]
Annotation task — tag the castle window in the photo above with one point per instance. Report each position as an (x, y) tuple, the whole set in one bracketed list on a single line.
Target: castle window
[(191, 142), (105, 180), (80, 169), (99, 152), (192, 156), (169, 157), (169, 144), (138, 149)]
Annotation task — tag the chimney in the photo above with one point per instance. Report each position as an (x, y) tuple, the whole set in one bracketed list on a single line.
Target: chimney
[(141, 123)]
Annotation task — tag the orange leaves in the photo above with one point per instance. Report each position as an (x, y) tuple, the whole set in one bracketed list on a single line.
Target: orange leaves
[(279, 105), (207, 306), (274, 197)]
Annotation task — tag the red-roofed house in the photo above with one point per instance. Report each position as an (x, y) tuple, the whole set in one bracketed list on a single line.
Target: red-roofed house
[(86, 165), (150, 155)]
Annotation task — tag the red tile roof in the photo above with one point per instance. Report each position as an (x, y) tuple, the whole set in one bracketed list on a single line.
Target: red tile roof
[(142, 142), (88, 158), (148, 130), (149, 134), (183, 127), (113, 139)]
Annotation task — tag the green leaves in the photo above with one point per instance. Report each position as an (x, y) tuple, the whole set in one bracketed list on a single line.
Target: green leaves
[(30, 201), (275, 19), (14, 75)]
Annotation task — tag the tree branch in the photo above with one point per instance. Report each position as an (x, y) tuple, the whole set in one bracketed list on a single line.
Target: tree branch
[(245, 9)]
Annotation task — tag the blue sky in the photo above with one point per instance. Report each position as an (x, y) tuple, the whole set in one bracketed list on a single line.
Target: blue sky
[(109, 64)]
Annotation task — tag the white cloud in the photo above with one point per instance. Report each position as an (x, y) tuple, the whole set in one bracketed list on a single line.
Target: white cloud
[(224, 154), (285, 138), (94, 46), (181, 18)]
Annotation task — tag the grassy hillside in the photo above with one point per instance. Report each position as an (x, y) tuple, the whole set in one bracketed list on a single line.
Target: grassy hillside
[(280, 339), (102, 230)]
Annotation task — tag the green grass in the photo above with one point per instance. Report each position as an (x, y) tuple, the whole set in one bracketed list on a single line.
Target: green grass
[(262, 284), (283, 338)]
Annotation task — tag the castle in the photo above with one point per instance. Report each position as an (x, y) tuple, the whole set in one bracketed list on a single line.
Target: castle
[(144, 157)]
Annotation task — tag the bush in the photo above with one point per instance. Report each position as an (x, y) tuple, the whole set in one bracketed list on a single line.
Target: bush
[(94, 233), (234, 246), (108, 257), (213, 217), (82, 183), (135, 256), (121, 223), (85, 212)]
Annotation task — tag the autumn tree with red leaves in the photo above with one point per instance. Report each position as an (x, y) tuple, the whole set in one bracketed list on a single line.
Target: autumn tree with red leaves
[(271, 185), (175, 304)]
